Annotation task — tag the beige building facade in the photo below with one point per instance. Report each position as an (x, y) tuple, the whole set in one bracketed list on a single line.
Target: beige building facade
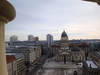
[(28, 52), (70, 57), (74, 54), (38, 51), (31, 53), (11, 65), (16, 67)]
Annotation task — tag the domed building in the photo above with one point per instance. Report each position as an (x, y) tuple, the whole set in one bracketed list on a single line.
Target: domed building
[(65, 54), (64, 41)]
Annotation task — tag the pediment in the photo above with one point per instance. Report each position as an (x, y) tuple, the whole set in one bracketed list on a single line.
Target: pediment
[(64, 53)]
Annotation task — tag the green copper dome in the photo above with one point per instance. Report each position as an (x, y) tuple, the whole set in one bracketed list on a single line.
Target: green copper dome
[(64, 34)]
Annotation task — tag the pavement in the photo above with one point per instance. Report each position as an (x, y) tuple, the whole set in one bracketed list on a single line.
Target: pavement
[(59, 65), (52, 67), (37, 66), (55, 72)]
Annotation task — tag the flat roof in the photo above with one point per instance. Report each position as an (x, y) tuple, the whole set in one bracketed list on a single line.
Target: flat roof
[(91, 64), (17, 55)]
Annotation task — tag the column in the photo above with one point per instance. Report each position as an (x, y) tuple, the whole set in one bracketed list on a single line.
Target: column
[(3, 69), (7, 13)]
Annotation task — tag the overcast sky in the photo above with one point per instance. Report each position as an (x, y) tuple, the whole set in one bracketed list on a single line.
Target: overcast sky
[(80, 19)]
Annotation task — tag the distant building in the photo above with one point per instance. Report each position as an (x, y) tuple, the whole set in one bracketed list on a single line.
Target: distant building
[(25, 43), (36, 39), (13, 38), (30, 38), (49, 40)]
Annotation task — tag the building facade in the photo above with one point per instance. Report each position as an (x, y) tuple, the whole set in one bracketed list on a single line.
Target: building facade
[(75, 55), (18, 66), (28, 52), (66, 54), (11, 65), (38, 51), (36, 39), (13, 38), (49, 40), (30, 38)]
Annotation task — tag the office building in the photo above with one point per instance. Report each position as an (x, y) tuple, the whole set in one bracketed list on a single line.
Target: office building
[(13, 38), (30, 38), (49, 40), (36, 39)]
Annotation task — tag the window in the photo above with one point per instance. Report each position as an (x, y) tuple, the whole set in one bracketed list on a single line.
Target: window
[(76, 57)]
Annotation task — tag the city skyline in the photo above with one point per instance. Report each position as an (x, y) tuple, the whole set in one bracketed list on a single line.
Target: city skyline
[(80, 19)]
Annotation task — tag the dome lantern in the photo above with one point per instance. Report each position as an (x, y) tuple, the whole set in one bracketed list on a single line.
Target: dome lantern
[(64, 34)]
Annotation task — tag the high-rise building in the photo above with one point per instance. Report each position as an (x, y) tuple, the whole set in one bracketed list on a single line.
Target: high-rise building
[(36, 39), (49, 40), (13, 39), (30, 38)]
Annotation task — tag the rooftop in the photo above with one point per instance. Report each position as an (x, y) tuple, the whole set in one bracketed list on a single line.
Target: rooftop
[(71, 45), (17, 55), (10, 58), (91, 64), (96, 53)]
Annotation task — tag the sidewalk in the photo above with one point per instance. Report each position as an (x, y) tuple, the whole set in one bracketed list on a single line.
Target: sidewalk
[(54, 64)]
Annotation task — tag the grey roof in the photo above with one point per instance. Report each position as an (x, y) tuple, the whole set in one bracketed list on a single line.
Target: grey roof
[(91, 64), (97, 53), (17, 55), (75, 49)]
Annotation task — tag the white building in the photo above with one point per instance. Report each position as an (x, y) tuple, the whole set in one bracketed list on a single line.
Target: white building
[(15, 64), (49, 40), (13, 38), (30, 38)]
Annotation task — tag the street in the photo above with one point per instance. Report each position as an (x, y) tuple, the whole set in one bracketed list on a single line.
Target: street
[(38, 65)]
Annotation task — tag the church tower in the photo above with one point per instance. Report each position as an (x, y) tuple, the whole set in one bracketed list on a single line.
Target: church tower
[(64, 41)]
